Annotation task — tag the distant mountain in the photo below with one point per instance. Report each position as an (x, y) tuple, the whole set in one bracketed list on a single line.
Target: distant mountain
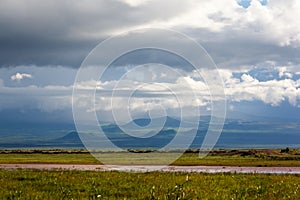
[(235, 134), (166, 127), (168, 122), (142, 122), (172, 122), (71, 138)]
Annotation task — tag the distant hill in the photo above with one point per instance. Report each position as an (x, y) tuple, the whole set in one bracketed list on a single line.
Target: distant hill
[(235, 134), (71, 138), (143, 122)]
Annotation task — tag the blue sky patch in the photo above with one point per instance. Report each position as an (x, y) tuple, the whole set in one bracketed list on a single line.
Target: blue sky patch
[(244, 3), (247, 3)]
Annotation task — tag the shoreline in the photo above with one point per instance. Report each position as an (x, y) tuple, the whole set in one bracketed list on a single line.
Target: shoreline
[(153, 168)]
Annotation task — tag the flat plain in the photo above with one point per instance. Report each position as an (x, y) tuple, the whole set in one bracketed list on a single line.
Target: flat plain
[(262, 157), (75, 184)]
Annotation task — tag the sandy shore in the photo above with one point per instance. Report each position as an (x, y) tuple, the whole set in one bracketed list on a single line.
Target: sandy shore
[(148, 168)]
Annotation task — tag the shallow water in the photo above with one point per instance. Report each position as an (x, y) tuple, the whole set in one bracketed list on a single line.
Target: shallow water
[(149, 168)]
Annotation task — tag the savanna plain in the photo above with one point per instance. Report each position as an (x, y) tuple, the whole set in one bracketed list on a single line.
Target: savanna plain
[(64, 184)]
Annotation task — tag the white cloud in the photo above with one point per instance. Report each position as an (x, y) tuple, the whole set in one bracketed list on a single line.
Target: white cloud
[(248, 78), (134, 3), (283, 72), (271, 92), (276, 22), (186, 91), (20, 76), (237, 89)]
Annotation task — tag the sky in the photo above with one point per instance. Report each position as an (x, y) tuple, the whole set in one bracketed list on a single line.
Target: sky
[(255, 46)]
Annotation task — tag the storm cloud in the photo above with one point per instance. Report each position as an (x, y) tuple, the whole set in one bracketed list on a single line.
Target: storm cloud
[(63, 33)]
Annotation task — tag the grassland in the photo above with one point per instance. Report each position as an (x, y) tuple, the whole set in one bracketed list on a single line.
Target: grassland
[(20, 184), (275, 157), (33, 184)]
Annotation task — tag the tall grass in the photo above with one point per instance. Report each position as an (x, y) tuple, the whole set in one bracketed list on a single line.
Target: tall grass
[(26, 184)]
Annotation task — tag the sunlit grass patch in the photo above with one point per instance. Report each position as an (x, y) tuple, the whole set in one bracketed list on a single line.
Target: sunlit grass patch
[(267, 157)]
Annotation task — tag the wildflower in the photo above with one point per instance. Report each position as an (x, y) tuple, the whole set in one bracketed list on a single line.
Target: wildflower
[(187, 178)]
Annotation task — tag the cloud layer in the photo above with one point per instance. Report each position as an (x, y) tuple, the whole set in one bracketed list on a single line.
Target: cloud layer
[(62, 33), (256, 47), (158, 90)]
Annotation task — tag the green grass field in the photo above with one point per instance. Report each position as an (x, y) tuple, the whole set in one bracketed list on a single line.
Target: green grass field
[(32, 184), (20, 184), (221, 157)]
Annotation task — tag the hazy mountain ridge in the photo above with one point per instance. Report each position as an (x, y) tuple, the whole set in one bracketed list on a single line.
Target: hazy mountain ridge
[(236, 133)]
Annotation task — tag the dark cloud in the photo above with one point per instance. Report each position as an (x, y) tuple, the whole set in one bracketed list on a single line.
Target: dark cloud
[(235, 48), (140, 57), (236, 53), (64, 32), (28, 51)]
